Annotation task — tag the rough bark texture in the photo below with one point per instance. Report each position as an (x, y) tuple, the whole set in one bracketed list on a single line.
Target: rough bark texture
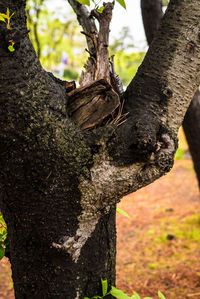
[(96, 98), (60, 185), (191, 126), (152, 15)]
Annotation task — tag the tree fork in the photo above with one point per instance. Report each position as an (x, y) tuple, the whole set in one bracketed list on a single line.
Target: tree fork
[(60, 185)]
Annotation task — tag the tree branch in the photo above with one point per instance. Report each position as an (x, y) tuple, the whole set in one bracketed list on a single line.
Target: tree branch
[(87, 23), (168, 75), (48, 164), (151, 14), (96, 98)]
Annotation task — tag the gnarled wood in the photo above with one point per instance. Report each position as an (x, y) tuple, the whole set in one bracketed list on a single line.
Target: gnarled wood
[(96, 98), (90, 104)]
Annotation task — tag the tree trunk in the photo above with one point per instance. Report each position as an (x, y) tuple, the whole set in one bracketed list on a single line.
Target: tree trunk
[(152, 15), (191, 126), (40, 270), (60, 184)]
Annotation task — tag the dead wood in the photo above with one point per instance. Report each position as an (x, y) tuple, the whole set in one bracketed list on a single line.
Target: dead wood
[(90, 104), (96, 98)]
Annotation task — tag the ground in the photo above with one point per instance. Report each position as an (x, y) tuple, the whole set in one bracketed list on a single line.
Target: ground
[(158, 247)]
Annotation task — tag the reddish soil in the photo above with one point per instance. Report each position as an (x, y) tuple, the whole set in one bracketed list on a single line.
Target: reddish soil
[(158, 248), (6, 285)]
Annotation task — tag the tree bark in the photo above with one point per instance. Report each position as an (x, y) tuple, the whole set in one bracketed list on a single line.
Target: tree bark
[(60, 185), (152, 15), (191, 126)]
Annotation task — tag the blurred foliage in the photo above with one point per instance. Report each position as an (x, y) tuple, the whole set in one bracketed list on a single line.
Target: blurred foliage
[(180, 154), (182, 151), (126, 65), (4, 244), (61, 47), (56, 38), (165, 2), (126, 61), (187, 230), (70, 74)]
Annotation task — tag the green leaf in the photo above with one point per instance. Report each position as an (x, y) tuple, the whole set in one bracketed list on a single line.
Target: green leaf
[(104, 284), (122, 3), (160, 295), (8, 12), (118, 293), (165, 2), (86, 298), (147, 298), (4, 15), (12, 15), (2, 18), (122, 212), (86, 2), (153, 266), (100, 9), (2, 252), (135, 296), (11, 48)]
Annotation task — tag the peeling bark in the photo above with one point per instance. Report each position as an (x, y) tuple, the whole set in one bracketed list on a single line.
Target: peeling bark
[(96, 98)]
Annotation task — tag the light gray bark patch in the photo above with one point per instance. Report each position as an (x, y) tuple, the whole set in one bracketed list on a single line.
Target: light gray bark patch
[(164, 157), (73, 245), (107, 185)]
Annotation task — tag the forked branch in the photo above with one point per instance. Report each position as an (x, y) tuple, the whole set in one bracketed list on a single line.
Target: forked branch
[(97, 97)]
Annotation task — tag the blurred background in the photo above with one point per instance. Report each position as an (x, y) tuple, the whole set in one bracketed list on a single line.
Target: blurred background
[(56, 37)]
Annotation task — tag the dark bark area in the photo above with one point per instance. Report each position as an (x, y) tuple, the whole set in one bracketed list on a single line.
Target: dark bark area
[(59, 184), (191, 126), (41, 271), (152, 15), (43, 159)]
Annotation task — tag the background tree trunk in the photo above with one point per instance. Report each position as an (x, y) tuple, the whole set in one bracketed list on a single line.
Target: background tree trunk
[(191, 126), (152, 15)]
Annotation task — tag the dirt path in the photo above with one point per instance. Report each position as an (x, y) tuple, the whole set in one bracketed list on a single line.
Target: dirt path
[(158, 248)]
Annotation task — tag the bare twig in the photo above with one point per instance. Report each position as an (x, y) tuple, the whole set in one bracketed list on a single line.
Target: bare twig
[(98, 95), (87, 23)]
